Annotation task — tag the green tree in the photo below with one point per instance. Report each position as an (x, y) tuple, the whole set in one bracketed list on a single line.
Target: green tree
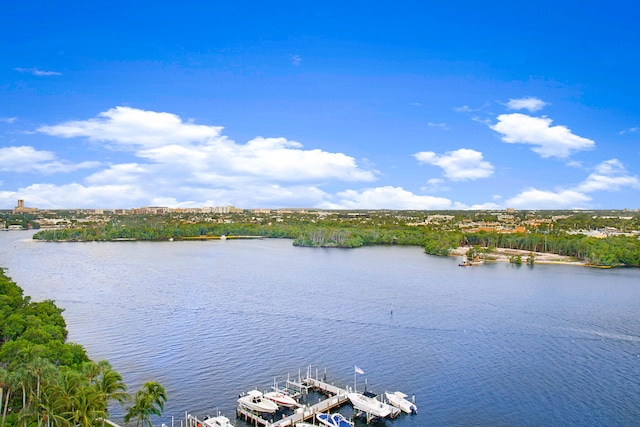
[(86, 407), (148, 401)]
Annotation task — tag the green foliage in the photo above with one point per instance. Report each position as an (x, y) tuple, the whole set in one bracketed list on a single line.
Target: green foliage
[(46, 381), (441, 243), (148, 401), (515, 259)]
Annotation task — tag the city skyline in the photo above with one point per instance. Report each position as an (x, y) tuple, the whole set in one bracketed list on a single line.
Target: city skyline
[(331, 106)]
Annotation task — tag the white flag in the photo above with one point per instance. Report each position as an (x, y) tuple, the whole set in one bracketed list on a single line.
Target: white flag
[(358, 370)]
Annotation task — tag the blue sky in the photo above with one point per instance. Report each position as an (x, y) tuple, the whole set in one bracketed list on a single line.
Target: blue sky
[(345, 105)]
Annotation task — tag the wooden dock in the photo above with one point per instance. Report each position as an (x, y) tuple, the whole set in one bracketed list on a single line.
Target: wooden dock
[(336, 397)]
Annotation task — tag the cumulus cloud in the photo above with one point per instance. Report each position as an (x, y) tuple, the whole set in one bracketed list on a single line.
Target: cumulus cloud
[(74, 195), (132, 128), (37, 72), (28, 159), (529, 103), (541, 199), (547, 140), (459, 165), (202, 151), (387, 197), (167, 159), (610, 175)]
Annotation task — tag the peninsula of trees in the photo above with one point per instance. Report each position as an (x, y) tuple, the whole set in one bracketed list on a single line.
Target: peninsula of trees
[(47, 381), (599, 238)]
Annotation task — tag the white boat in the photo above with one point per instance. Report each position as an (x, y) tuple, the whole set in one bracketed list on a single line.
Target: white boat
[(334, 420), (398, 399), (370, 405), (281, 399), (217, 421), (255, 401)]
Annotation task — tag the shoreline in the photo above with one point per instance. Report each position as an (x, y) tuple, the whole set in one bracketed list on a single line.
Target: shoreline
[(503, 254)]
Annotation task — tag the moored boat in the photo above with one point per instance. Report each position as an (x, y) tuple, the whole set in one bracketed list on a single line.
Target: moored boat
[(281, 399), (368, 403), (217, 421), (334, 420), (255, 401), (398, 399)]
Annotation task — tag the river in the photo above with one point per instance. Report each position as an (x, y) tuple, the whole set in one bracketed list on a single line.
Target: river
[(498, 344)]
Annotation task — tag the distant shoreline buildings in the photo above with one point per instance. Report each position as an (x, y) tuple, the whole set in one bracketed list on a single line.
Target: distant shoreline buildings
[(20, 208)]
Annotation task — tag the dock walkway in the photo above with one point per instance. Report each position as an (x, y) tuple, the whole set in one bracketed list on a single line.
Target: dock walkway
[(337, 397)]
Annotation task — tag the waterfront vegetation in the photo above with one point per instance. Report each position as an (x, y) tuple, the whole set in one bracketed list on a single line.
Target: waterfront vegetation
[(46, 381), (605, 238)]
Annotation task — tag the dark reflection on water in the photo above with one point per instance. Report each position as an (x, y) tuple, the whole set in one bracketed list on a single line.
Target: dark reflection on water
[(492, 345)]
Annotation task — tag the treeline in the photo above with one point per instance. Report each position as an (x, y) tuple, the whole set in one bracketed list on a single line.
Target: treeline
[(611, 251), (345, 236), (159, 231), (47, 381)]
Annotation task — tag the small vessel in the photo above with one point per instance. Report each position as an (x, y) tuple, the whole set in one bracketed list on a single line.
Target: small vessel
[(367, 402), (217, 421), (334, 420), (281, 399), (398, 399), (255, 401)]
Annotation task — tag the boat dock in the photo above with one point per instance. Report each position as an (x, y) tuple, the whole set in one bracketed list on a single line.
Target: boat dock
[(305, 391), (336, 397)]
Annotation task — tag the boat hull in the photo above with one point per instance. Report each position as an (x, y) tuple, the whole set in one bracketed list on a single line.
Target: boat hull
[(370, 405), (281, 399), (398, 400), (254, 401)]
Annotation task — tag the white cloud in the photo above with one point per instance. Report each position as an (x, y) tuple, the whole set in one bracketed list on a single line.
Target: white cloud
[(28, 159), (200, 152), (125, 173), (529, 103), (8, 119), (74, 195), (630, 130), (181, 163), (296, 60), (37, 72), (540, 199), (460, 165), (434, 185), (442, 126), (387, 197), (609, 175), (463, 109), (547, 140), (131, 128)]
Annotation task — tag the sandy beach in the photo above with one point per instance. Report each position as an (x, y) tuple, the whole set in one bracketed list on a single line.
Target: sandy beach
[(503, 254)]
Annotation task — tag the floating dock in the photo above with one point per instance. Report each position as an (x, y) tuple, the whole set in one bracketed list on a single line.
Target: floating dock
[(336, 397)]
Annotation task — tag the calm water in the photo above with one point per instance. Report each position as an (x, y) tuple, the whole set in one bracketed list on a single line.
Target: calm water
[(494, 345)]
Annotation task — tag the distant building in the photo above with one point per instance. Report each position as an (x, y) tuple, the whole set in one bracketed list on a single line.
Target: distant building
[(21, 209)]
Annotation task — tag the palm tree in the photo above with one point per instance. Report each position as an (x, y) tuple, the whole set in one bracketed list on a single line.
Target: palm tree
[(149, 400), (50, 405), (5, 387), (110, 386), (87, 407)]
